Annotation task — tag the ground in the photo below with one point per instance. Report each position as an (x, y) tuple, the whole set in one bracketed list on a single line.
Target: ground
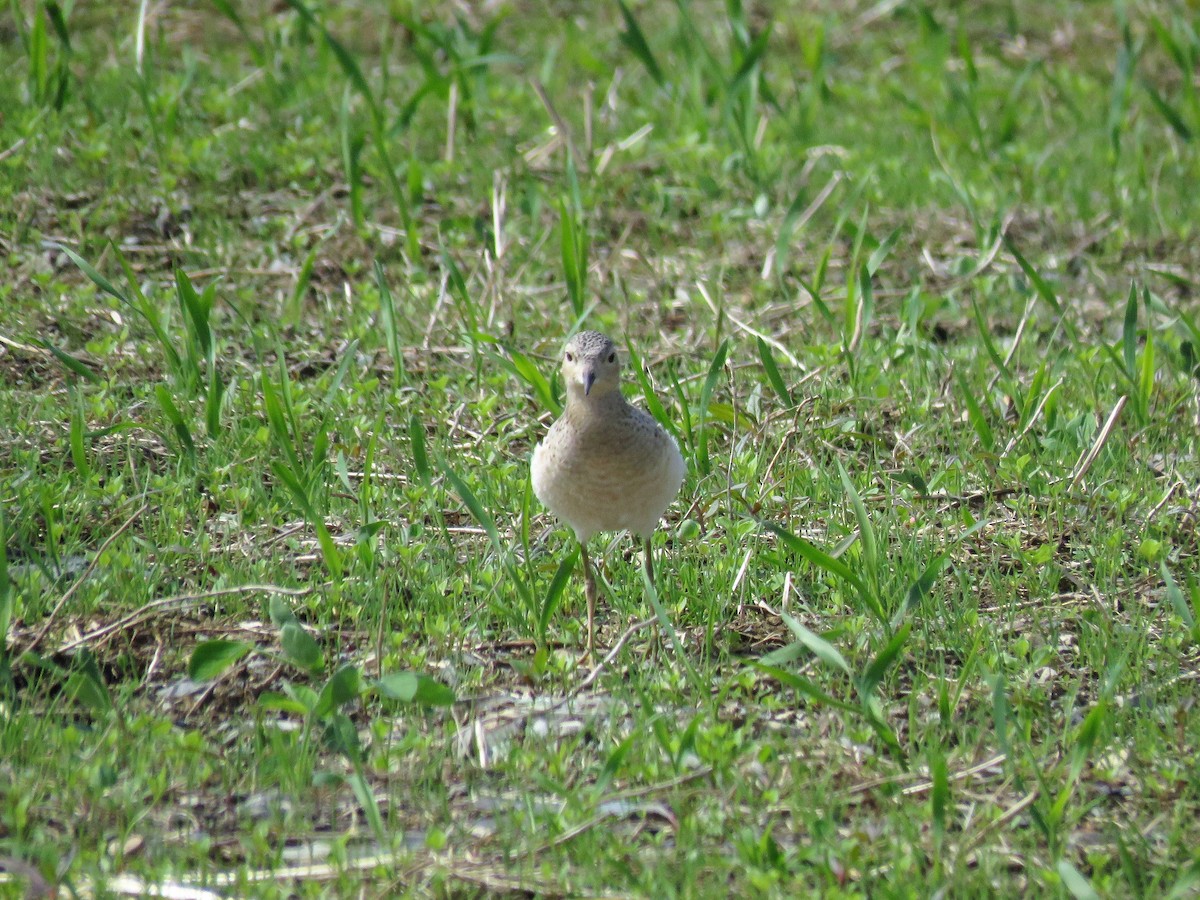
[(913, 285)]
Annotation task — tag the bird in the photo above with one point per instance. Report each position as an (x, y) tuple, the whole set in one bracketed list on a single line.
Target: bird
[(604, 465)]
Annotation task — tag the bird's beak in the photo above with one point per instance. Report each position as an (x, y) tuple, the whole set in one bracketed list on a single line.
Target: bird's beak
[(589, 378)]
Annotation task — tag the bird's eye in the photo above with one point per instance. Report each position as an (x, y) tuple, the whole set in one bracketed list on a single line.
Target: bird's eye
[(570, 357), (612, 357)]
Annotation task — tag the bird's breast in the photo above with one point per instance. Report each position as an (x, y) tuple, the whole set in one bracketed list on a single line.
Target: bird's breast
[(607, 476)]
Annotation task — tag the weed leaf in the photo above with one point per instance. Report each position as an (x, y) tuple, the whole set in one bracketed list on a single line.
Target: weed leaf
[(210, 658)]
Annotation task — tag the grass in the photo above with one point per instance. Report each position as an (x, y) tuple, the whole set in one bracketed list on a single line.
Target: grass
[(914, 285)]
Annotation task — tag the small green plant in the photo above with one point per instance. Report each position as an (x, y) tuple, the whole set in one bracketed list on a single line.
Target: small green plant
[(304, 474), (352, 142), (774, 377), (381, 138), (190, 357), (1121, 92), (682, 431), (456, 59), (866, 683), (1135, 365), (735, 90), (200, 349), (573, 238), (1178, 36), (865, 588), (524, 369), (323, 710), (48, 76), (391, 330), (1187, 607)]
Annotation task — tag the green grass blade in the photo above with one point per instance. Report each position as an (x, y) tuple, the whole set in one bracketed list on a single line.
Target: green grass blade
[(387, 312), (633, 38), (352, 143), (329, 550), (988, 344), (210, 658), (78, 433), (196, 309), (329, 401), (70, 363), (715, 371), (1075, 881), (819, 647), (295, 307), (774, 378), (1000, 713), (866, 531), (478, 513), (344, 57), (175, 418), (653, 404), (816, 557), (558, 584), (363, 791), (457, 286), (6, 604), (1129, 332), (919, 590), (1178, 602), (1173, 116), (214, 397), (1145, 378), (55, 14), (975, 414), (416, 440), (939, 794), (805, 686), (872, 676), (574, 246), (880, 253), (1041, 287), (750, 59), (664, 623), (525, 369), (277, 423), (95, 277)]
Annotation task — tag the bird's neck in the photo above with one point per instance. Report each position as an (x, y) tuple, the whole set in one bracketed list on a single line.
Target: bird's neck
[(581, 406)]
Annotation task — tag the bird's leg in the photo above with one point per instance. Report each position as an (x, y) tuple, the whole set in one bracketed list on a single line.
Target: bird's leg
[(590, 592), (656, 643)]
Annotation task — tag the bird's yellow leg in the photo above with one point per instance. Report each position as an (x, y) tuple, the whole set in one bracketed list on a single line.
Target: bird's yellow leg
[(590, 592), (656, 641)]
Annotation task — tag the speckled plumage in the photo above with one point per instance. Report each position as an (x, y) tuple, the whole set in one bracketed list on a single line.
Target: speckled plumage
[(604, 465)]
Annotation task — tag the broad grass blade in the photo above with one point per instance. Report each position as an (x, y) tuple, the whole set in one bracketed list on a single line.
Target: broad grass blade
[(211, 658), (558, 584), (774, 378), (866, 530), (820, 647), (633, 38), (817, 557)]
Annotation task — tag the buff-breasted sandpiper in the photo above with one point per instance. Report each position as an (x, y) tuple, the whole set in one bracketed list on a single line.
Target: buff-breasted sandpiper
[(604, 465)]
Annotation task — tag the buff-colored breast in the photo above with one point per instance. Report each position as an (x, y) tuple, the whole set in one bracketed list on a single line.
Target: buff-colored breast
[(607, 466)]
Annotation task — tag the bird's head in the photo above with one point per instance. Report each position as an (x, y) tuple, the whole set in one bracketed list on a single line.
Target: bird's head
[(590, 366)]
